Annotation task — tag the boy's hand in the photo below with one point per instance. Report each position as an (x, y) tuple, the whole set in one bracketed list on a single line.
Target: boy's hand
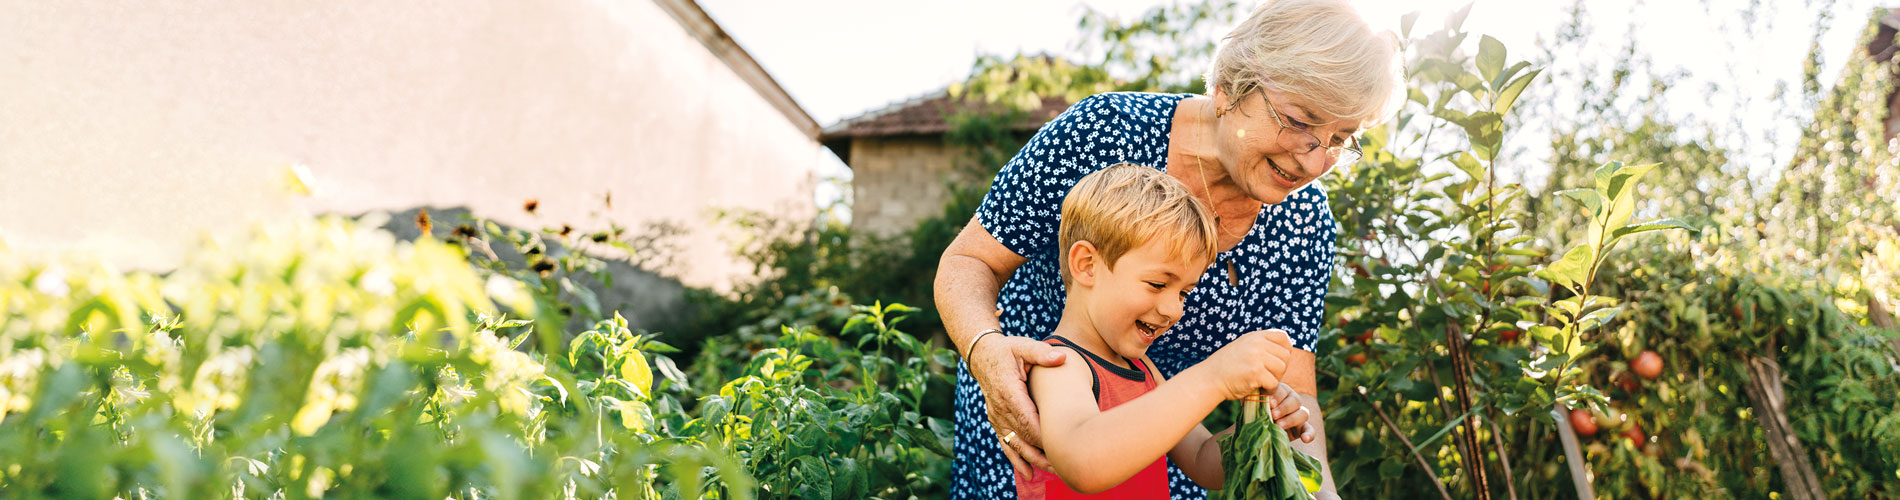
[(1289, 414), (1252, 362)]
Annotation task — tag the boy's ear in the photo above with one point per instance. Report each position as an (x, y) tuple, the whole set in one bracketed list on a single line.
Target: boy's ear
[(1083, 259)]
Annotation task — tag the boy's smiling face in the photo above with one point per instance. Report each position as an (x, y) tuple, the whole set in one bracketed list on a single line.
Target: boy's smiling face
[(1136, 302)]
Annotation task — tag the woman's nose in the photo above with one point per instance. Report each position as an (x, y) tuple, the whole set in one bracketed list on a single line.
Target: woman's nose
[(1317, 161)]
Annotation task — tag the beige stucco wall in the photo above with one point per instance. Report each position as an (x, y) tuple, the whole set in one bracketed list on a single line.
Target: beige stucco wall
[(897, 181), (128, 128)]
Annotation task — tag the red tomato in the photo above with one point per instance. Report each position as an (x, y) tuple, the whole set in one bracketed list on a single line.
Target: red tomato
[(1357, 358), (1581, 421), (1627, 382), (1648, 364), (1508, 336), (1635, 434)]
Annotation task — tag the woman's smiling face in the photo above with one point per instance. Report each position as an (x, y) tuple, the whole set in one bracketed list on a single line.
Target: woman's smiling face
[(1260, 138)]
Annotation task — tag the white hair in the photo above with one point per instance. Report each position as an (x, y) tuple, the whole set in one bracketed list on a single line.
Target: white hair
[(1320, 50)]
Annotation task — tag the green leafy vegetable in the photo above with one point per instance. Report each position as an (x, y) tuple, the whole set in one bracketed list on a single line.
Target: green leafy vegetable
[(1261, 463)]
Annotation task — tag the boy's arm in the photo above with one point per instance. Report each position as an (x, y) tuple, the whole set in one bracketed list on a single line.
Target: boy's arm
[(1093, 450), (1198, 454)]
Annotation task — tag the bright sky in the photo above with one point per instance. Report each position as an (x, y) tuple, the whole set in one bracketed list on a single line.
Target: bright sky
[(839, 58)]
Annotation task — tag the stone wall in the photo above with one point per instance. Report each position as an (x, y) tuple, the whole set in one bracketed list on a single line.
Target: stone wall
[(898, 181)]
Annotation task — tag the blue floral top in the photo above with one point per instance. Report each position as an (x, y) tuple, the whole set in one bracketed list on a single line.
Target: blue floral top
[(1283, 265)]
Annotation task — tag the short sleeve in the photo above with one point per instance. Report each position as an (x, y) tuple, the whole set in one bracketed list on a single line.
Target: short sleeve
[(1024, 204)]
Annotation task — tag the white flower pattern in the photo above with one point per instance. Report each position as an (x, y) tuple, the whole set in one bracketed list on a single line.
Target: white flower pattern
[(1283, 265)]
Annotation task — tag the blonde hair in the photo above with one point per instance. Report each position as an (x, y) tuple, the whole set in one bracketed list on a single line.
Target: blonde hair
[(1121, 207), (1319, 50)]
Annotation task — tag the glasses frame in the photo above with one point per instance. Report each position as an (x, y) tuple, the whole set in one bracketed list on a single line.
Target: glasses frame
[(1343, 155)]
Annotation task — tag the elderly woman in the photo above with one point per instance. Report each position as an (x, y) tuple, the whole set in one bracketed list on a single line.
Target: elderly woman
[(1289, 88)]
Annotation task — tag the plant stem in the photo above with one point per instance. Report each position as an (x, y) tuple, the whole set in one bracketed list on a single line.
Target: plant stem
[(1408, 446), (1510, 478)]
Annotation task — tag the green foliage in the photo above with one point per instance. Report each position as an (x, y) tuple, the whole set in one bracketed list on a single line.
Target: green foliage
[(816, 417), (1260, 462), (323, 359)]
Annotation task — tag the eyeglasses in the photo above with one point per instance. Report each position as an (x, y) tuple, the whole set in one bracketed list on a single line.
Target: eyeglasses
[(1343, 155)]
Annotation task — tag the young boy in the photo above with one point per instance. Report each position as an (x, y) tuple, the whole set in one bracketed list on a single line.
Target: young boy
[(1135, 242)]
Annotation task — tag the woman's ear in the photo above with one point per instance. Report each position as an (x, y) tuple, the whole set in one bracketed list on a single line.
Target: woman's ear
[(1082, 261)]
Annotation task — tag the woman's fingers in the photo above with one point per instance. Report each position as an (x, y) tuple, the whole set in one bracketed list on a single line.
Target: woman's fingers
[(1015, 461), (1018, 415), (1002, 374), (1037, 353)]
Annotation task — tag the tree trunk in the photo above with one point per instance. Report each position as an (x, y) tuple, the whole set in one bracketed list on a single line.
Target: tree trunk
[(1764, 389), (1573, 453), (1468, 438)]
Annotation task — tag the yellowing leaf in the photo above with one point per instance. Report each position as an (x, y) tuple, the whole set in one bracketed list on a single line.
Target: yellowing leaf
[(635, 370)]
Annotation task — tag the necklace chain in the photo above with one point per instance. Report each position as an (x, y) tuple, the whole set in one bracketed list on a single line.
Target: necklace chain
[(1200, 170)]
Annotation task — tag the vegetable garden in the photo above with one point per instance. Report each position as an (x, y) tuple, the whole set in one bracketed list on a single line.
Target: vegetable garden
[(1621, 333)]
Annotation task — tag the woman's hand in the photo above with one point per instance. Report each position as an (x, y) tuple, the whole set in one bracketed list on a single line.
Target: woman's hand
[(1250, 363), (1289, 414), (1000, 366)]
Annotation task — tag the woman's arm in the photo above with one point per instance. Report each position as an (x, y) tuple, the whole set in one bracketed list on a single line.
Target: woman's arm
[(1301, 373), (969, 276)]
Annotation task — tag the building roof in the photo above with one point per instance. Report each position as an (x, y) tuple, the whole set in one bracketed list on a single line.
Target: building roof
[(695, 20), (924, 115)]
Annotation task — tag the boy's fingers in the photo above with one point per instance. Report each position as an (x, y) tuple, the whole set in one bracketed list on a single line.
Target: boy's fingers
[(1287, 407)]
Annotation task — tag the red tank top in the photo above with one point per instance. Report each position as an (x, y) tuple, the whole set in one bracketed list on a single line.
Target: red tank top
[(1114, 385)]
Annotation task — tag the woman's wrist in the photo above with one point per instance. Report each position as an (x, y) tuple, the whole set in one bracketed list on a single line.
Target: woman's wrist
[(974, 342)]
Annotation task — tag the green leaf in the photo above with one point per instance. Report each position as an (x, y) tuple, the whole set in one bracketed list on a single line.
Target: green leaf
[(1486, 131), (1405, 24), (1590, 199), (1465, 162), (1508, 95), (1457, 19), (1572, 270), (1490, 57), (1601, 176), (1656, 225), (635, 415), (1624, 180)]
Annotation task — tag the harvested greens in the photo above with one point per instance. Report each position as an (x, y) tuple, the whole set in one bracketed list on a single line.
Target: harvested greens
[(1261, 464)]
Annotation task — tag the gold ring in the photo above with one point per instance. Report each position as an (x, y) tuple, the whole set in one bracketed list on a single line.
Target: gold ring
[(1010, 436)]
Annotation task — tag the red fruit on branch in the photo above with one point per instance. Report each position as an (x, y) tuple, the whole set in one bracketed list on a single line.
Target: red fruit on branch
[(1365, 337), (1508, 336), (1582, 422), (1627, 382), (1648, 364), (1357, 358), (1635, 435)]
